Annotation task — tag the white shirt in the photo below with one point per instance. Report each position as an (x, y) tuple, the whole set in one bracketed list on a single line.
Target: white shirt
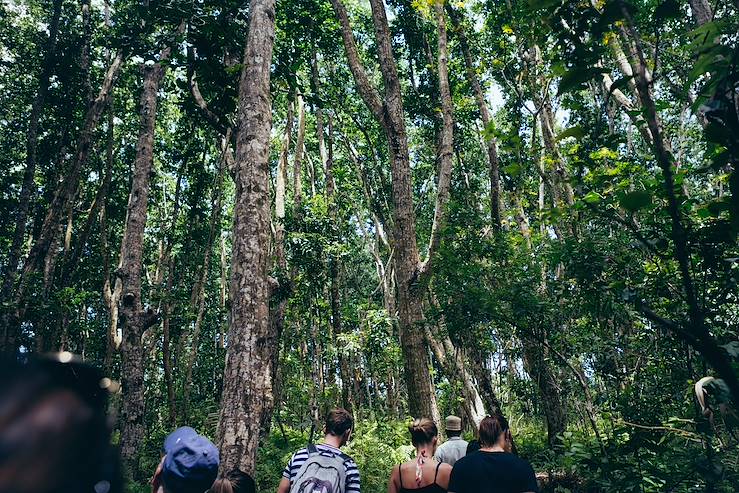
[(451, 451)]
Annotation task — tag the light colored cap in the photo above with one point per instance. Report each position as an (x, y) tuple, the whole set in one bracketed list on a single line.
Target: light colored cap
[(453, 423)]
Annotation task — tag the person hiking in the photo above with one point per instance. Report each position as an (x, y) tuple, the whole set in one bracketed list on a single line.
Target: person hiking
[(422, 474), (324, 467), (189, 463), (455, 447), (493, 469)]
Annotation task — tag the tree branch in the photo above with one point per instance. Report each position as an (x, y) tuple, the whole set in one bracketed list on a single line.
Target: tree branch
[(366, 90)]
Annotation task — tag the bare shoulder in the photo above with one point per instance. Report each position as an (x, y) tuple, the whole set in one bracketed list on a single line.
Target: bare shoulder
[(445, 472)]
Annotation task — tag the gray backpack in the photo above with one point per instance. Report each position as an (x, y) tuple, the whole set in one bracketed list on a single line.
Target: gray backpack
[(322, 472)]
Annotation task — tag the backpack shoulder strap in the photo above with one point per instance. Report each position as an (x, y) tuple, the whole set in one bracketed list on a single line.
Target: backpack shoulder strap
[(400, 475), (312, 449)]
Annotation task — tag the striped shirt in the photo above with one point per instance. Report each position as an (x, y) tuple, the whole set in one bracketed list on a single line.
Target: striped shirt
[(299, 457)]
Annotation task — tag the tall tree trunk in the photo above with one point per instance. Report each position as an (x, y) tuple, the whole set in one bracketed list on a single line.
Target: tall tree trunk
[(10, 319), (298, 160), (702, 11), (696, 332), (538, 367), (278, 315), (29, 174), (337, 324), (482, 374), (169, 304), (412, 275), (110, 297), (482, 106), (453, 364), (326, 149), (247, 400), (134, 320)]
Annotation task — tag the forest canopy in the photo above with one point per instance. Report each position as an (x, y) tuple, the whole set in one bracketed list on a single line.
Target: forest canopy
[(249, 213)]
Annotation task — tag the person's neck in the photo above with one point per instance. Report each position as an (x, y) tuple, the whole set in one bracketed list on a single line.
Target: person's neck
[(426, 451), (332, 440), (496, 447)]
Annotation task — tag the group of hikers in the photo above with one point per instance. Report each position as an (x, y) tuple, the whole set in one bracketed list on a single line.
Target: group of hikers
[(485, 465), (55, 437)]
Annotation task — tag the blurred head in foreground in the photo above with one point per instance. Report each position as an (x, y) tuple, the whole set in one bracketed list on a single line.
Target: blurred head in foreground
[(189, 465), (54, 433)]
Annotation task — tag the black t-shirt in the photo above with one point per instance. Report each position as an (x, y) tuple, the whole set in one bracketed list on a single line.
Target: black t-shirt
[(492, 472)]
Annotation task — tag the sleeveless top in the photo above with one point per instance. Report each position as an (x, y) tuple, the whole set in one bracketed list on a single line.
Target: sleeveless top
[(429, 488)]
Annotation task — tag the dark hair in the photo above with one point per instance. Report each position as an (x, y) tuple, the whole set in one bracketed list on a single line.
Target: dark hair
[(453, 433), (491, 428), (423, 431), (236, 481), (339, 421), (54, 433)]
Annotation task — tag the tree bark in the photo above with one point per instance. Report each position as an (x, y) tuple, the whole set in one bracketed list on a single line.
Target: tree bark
[(538, 367), (10, 319), (337, 324), (29, 174), (411, 274), (168, 304), (696, 331), (134, 320), (247, 399), (702, 11), (490, 140), (298, 160)]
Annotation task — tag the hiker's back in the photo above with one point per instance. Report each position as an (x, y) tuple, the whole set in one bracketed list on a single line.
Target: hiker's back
[(322, 468)]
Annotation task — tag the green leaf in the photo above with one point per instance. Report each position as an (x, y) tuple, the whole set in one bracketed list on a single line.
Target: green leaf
[(577, 132), (489, 132), (512, 169), (592, 198), (633, 201)]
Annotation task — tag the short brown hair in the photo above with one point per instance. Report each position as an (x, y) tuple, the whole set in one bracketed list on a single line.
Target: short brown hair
[(423, 431), (491, 427), (339, 421)]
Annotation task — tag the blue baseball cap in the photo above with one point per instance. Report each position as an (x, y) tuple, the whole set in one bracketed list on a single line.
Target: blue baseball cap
[(191, 462)]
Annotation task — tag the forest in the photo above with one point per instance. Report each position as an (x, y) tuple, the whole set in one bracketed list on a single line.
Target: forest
[(248, 213)]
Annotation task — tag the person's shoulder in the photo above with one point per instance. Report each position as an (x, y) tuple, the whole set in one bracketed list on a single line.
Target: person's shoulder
[(301, 451), (464, 461), (349, 461), (518, 462), (300, 454)]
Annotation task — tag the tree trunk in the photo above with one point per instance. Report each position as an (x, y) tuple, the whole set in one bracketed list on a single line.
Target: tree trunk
[(538, 367), (482, 374), (278, 315), (696, 332), (411, 274), (134, 320), (337, 324), (298, 160), (247, 400), (453, 363), (168, 304), (50, 227), (702, 11), (489, 137), (28, 185)]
